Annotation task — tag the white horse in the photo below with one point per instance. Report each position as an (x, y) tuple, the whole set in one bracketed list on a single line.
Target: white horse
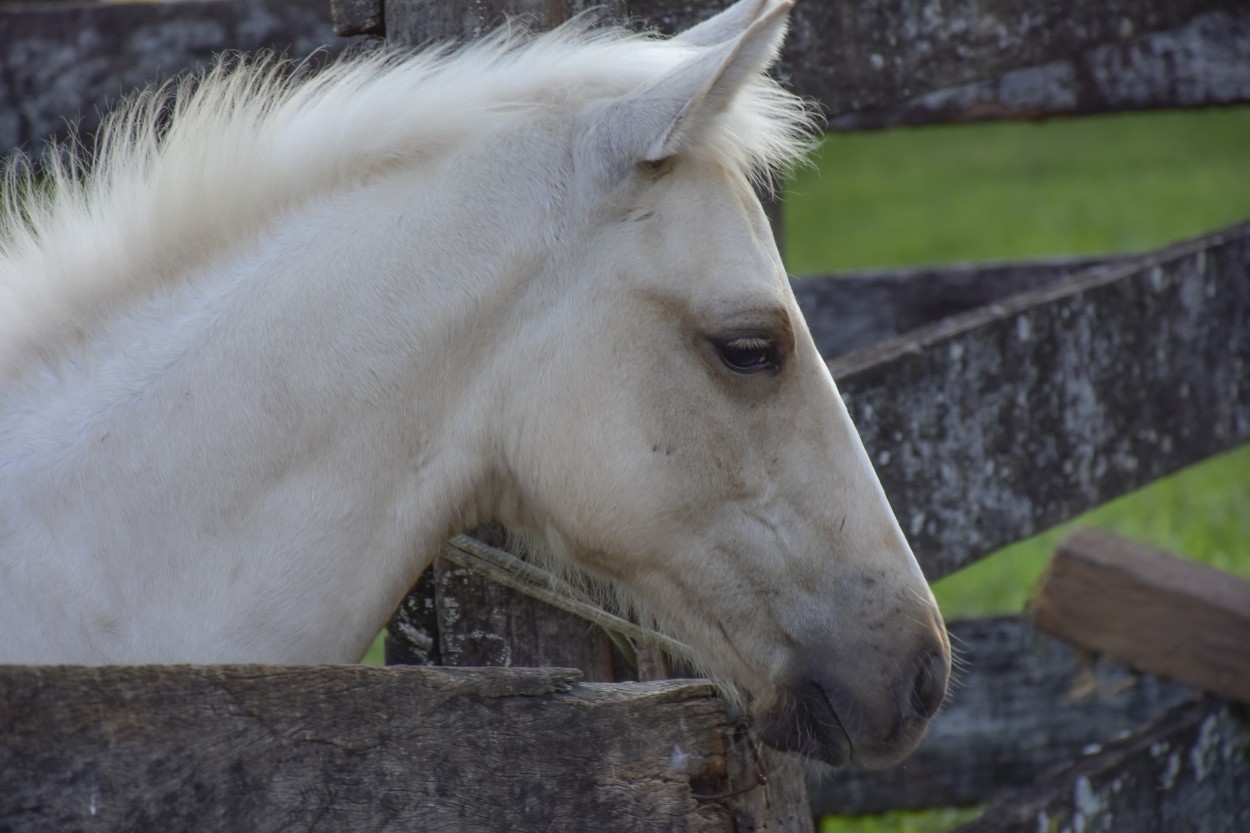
[(287, 336)]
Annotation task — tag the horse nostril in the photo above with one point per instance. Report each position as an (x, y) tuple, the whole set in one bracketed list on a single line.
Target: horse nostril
[(929, 687)]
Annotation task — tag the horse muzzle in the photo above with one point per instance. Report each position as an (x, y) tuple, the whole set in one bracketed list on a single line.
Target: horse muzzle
[(830, 714)]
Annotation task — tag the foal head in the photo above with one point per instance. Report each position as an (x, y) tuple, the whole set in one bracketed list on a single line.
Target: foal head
[(683, 438)]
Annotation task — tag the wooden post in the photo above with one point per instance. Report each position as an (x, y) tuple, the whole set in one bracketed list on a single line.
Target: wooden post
[(484, 623), (456, 617)]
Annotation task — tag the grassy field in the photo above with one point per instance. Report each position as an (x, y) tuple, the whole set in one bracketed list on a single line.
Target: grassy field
[(943, 194), (1110, 184)]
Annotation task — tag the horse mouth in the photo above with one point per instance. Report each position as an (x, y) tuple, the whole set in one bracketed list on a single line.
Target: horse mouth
[(802, 720), (820, 720)]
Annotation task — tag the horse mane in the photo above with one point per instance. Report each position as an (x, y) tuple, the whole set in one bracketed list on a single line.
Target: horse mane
[(183, 172)]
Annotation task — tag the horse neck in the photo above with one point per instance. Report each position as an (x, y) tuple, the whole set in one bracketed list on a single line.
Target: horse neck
[(304, 436)]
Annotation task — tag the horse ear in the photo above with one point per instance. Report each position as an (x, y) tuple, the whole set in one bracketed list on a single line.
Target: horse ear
[(719, 28), (656, 122)]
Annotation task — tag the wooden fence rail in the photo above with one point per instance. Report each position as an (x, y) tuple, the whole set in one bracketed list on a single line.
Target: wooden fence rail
[(996, 424), (344, 749), (1200, 63), (853, 310), (857, 57), (1190, 769), (871, 65)]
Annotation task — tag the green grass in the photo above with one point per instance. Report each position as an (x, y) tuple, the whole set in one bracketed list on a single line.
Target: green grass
[(376, 655), (1003, 191), (899, 822), (943, 194)]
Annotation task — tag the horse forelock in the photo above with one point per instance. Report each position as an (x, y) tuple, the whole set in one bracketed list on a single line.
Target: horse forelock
[(198, 168)]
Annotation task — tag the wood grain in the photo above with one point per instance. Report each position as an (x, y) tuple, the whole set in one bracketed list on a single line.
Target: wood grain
[(260, 748), (1203, 62), (1151, 609), (869, 65)]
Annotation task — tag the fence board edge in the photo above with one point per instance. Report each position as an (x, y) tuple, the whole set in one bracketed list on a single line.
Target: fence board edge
[(996, 424)]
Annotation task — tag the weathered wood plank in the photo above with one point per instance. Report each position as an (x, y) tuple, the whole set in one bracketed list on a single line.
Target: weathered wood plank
[(366, 749), (69, 61), (996, 424), (852, 310), (1188, 771), (1021, 704), (64, 62), (1151, 609), (1203, 63), (870, 55)]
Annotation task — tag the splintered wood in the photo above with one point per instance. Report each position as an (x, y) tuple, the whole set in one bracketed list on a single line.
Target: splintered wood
[(1157, 612)]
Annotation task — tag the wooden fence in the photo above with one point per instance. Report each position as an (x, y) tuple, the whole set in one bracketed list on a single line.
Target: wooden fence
[(996, 400), (63, 63)]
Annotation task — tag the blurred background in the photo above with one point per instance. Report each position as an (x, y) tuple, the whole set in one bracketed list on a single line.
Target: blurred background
[(1094, 185)]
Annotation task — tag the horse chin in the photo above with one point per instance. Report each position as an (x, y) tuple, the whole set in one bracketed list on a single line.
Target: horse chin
[(802, 720)]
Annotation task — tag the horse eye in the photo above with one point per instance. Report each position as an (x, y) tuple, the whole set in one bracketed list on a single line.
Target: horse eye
[(749, 354)]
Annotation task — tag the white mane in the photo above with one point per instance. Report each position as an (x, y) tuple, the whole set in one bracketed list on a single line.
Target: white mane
[(187, 171)]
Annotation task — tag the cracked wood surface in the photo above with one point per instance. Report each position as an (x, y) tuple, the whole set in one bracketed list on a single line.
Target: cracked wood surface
[(345, 748)]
